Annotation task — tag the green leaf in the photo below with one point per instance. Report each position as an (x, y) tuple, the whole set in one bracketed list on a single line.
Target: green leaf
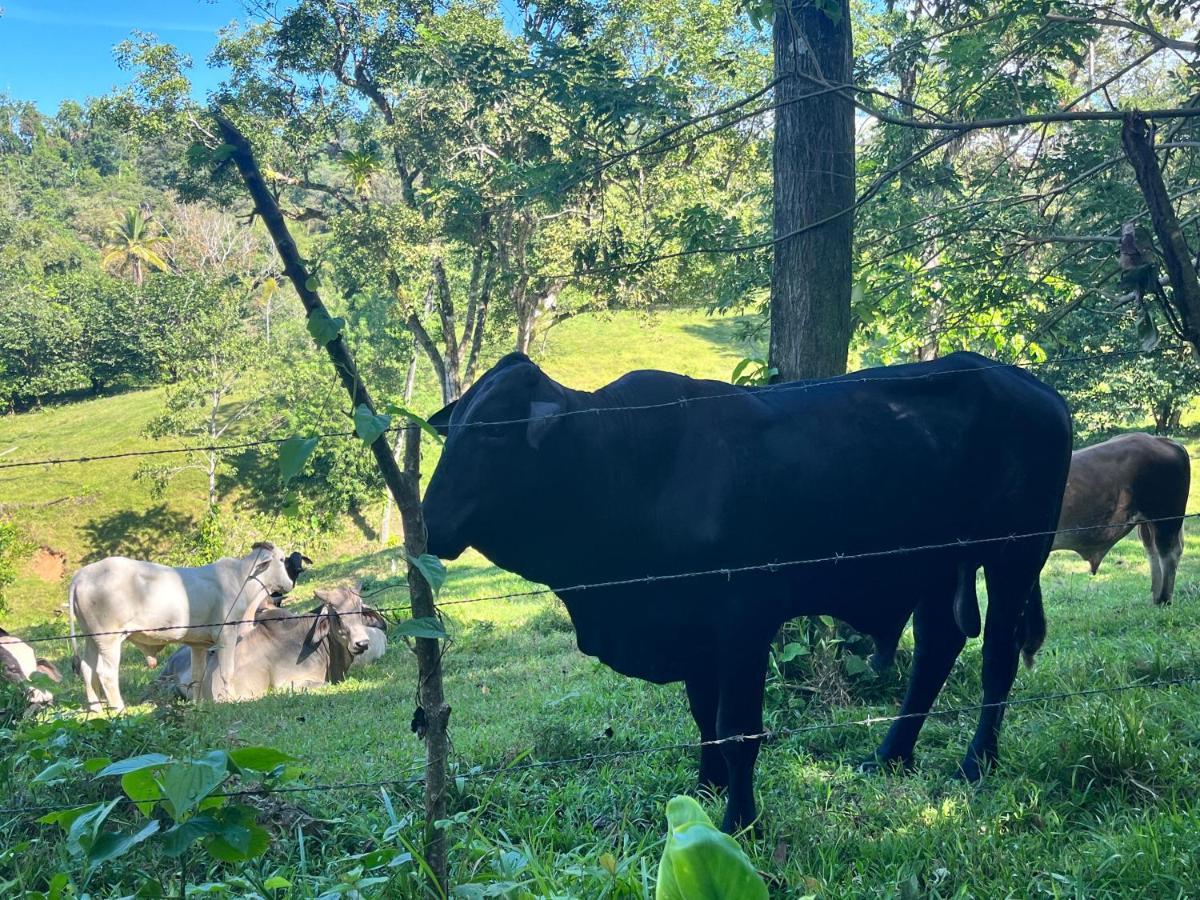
[(64, 818), (792, 651), (120, 767), (95, 764), (369, 425), (54, 770), (259, 759), (312, 283), (431, 569), (112, 844), (186, 783), (856, 665), (425, 627), (142, 788), (1147, 331), (323, 328), (740, 368), (178, 838), (293, 454), (406, 413), (251, 840), (84, 829), (277, 883), (701, 863)]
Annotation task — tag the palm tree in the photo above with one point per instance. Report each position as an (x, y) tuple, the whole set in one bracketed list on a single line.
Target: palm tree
[(131, 245)]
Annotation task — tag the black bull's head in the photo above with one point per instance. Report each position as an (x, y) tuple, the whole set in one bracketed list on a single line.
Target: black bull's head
[(489, 462)]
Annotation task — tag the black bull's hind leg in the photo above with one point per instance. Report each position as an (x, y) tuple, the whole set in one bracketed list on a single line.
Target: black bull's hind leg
[(1014, 622), (702, 694)]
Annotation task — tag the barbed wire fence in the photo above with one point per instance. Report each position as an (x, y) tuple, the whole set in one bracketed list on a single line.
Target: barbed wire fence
[(951, 131)]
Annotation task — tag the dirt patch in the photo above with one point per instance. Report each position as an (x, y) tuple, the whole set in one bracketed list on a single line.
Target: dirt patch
[(48, 564)]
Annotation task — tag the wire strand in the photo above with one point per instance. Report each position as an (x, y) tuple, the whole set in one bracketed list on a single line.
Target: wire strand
[(724, 571), (767, 737)]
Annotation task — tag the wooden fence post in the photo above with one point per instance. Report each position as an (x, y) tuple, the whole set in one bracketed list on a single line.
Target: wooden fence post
[(404, 486)]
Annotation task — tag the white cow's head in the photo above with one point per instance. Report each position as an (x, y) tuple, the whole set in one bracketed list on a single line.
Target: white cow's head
[(269, 568)]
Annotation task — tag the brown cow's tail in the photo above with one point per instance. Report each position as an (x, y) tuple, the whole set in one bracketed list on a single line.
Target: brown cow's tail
[(966, 601), (1035, 625)]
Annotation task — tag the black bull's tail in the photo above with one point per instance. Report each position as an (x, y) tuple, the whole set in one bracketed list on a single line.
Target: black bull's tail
[(966, 613), (1033, 625), (966, 601)]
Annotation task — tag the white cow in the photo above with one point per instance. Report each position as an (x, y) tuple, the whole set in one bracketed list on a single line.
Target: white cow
[(154, 605)]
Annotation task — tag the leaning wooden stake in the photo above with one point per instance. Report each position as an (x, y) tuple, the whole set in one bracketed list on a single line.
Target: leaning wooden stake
[(1137, 138), (433, 715)]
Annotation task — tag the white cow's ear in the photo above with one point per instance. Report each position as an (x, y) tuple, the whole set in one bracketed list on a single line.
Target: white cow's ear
[(543, 416), (261, 566)]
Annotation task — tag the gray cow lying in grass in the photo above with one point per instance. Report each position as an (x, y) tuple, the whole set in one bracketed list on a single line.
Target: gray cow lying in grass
[(18, 664), (285, 651)]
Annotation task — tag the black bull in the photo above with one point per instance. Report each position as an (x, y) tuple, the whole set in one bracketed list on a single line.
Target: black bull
[(571, 487)]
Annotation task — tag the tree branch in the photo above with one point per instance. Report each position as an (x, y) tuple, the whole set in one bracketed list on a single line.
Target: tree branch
[(1158, 37)]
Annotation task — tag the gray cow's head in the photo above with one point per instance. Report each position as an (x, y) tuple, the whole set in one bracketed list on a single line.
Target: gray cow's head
[(342, 617), (490, 458), (269, 567)]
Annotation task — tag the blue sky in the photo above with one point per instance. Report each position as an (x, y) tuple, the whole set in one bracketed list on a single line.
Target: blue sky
[(52, 50)]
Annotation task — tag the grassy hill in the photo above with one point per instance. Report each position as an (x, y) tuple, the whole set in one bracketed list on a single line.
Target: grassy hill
[(1096, 796), (73, 514)]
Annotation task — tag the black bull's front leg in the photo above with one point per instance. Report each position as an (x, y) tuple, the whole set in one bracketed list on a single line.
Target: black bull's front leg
[(741, 678)]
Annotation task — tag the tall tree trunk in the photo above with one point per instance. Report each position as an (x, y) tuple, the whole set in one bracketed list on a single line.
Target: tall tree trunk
[(814, 179), (1137, 139), (451, 369)]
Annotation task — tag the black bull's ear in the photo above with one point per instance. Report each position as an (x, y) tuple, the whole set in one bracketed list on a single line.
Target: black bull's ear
[(542, 417), (440, 420)]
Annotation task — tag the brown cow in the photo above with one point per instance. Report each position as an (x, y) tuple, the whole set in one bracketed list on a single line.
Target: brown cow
[(1131, 479)]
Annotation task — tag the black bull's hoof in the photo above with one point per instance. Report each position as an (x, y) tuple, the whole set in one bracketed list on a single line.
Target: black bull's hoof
[(876, 764)]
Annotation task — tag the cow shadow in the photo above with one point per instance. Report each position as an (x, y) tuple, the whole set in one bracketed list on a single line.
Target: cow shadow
[(137, 534)]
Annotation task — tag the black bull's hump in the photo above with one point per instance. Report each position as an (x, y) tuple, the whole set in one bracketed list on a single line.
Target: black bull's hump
[(960, 449)]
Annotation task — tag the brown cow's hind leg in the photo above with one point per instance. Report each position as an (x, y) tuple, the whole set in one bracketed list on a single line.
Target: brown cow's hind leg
[(1168, 541), (1146, 531)]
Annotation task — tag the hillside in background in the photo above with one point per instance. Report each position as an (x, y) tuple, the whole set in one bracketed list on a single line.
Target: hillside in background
[(74, 514)]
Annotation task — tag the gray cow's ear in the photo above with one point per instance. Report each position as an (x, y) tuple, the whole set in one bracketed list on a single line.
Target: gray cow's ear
[(543, 416), (440, 420)]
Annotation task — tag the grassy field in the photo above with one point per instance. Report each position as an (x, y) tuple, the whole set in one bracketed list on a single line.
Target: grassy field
[(1095, 797)]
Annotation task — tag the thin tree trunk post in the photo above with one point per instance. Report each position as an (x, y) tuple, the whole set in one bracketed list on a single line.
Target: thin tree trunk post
[(1137, 138), (429, 669), (404, 487)]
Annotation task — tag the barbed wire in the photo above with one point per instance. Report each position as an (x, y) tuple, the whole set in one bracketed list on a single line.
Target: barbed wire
[(724, 571), (734, 391), (766, 737)]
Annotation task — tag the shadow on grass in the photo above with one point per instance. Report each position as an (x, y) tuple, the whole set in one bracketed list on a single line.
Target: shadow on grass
[(135, 534), (740, 334)]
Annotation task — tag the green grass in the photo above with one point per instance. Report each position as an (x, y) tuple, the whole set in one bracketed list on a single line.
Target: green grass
[(1095, 797)]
